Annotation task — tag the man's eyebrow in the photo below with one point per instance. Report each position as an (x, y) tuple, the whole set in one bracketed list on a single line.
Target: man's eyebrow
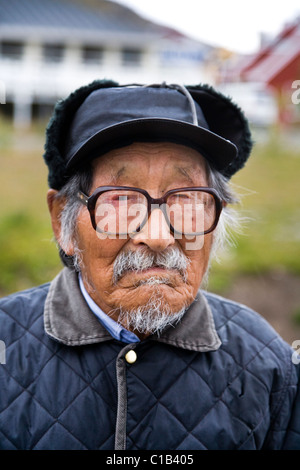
[(119, 173), (185, 172)]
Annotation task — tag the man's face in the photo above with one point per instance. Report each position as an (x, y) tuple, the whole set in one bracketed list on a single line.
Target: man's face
[(157, 168)]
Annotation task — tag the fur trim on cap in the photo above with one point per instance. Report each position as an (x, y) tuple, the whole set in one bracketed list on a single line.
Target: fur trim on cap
[(57, 130), (235, 127)]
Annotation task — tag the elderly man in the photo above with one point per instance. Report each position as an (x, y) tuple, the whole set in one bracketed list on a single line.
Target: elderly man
[(123, 350)]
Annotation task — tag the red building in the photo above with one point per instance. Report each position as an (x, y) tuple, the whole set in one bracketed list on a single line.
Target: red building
[(277, 66)]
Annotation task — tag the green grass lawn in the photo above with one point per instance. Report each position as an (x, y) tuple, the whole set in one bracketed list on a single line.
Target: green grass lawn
[(28, 254), (269, 183)]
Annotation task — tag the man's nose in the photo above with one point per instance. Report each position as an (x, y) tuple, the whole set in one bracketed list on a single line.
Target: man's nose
[(155, 233)]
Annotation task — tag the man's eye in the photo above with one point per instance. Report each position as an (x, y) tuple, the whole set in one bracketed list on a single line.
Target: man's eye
[(178, 198), (129, 199), (117, 198)]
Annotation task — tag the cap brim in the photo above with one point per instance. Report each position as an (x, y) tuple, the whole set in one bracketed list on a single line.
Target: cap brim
[(219, 151)]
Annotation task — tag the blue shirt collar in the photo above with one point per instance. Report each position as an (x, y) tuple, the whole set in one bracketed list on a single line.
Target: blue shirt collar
[(116, 330)]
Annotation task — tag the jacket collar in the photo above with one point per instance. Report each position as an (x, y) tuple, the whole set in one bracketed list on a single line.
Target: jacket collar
[(69, 320)]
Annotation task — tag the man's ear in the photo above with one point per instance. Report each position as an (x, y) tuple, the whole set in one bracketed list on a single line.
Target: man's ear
[(56, 206)]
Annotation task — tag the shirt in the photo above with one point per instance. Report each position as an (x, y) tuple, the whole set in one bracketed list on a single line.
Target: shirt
[(116, 330)]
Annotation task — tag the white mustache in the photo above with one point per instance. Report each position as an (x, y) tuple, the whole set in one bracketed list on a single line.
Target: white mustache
[(141, 259)]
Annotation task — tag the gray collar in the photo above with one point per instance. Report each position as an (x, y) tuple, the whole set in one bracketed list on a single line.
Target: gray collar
[(69, 320)]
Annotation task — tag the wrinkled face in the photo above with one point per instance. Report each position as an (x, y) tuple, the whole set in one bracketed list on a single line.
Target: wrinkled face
[(157, 168)]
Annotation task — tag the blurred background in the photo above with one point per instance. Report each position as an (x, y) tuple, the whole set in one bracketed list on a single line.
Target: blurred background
[(48, 48)]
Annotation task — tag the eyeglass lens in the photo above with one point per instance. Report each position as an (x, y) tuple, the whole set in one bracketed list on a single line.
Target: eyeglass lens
[(122, 212)]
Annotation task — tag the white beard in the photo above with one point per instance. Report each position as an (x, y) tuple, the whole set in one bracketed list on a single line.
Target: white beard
[(156, 314), (152, 317), (141, 259)]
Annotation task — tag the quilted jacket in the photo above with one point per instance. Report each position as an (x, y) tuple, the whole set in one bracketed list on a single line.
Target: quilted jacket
[(221, 379)]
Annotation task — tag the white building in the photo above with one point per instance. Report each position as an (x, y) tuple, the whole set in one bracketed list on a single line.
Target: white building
[(50, 47)]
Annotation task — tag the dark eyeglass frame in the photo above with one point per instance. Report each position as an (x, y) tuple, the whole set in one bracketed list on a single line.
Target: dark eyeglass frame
[(90, 203)]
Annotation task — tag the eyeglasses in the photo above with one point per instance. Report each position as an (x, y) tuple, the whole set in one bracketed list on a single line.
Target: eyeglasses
[(123, 210)]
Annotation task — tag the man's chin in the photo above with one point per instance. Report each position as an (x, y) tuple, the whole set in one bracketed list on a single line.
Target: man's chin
[(171, 297), (150, 317)]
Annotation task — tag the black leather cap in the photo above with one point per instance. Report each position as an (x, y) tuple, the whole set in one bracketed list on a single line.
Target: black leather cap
[(115, 117), (103, 116)]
